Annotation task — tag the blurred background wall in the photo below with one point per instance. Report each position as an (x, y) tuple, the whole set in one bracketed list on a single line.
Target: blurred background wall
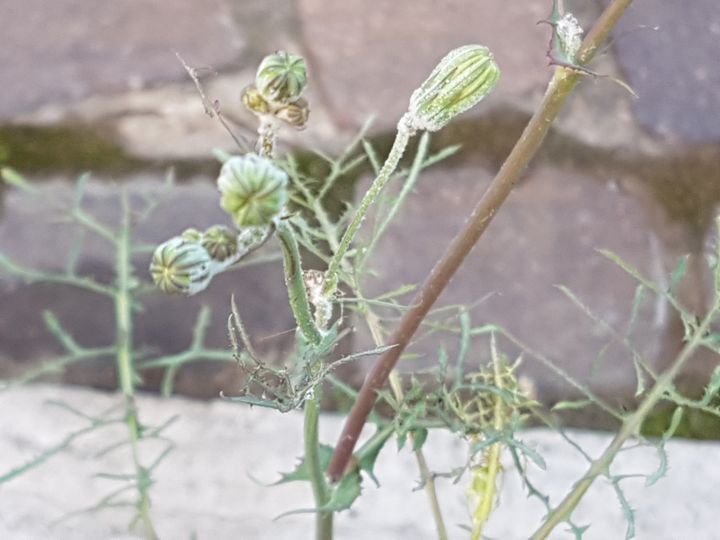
[(95, 86)]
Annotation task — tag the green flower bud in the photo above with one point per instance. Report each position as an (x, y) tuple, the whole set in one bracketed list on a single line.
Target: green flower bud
[(253, 190), (220, 242), (182, 267), (461, 79), (191, 235), (281, 77), (296, 114)]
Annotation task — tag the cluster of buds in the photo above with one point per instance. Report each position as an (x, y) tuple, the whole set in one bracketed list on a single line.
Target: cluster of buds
[(186, 264), (280, 81)]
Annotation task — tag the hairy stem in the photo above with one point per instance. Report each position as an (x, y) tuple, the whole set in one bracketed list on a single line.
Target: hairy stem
[(629, 428), (321, 492), (126, 367), (295, 282), (560, 87), (398, 149)]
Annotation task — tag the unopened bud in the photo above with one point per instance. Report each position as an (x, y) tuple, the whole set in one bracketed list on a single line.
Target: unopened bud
[(253, 189), (191, 235), (181, 267), (281, 77), (464, 77), (220, 242)]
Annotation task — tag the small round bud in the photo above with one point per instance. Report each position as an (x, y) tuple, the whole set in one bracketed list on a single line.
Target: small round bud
[(181, 267), (296, 114), (461, 79), (191, 235), (253, 190), (254, 102), (220, 242), (281, 77)]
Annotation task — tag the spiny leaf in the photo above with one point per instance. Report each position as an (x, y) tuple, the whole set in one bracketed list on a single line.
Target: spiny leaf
[(300, 473), (419, 438)]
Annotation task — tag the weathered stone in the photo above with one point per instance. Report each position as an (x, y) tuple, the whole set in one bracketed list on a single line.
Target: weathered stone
[(369, 59), (93, 48), (669, 52), (395, 45), (211, 482)]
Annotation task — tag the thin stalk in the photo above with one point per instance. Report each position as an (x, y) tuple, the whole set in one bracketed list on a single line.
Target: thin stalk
[(492, 465), (560, 87), (425, 474), (374, 326), (321, 491), (629, 428), (125, 364), (295, 283), (398, 149)]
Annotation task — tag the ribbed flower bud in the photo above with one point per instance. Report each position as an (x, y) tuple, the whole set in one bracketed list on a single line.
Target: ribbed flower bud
[(220, 242), (253, 190), (181, 267), (461, 79), (281, 77), (191, 235)]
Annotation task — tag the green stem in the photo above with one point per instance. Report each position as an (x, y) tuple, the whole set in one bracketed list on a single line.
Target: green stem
[(321, 492), (630, 427), (398, 149), (295, 283), (125, 364)]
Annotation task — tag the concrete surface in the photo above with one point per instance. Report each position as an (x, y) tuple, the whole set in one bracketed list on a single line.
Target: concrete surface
[(206, 488)]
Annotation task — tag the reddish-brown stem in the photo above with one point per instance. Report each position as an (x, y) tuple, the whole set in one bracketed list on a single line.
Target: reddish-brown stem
[(562, 83)]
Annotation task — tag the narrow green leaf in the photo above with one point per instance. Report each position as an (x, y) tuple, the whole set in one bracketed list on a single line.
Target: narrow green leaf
[(678, 275), (640, 376), (15, 179), (674, 423), (571, 405), (420, 437), (637, 303)]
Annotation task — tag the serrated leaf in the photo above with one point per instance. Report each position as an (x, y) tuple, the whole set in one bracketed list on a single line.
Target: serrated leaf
[(300, 473), (341, 496), (534, 456), (345, 493), (419, 438), (367, 455)]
